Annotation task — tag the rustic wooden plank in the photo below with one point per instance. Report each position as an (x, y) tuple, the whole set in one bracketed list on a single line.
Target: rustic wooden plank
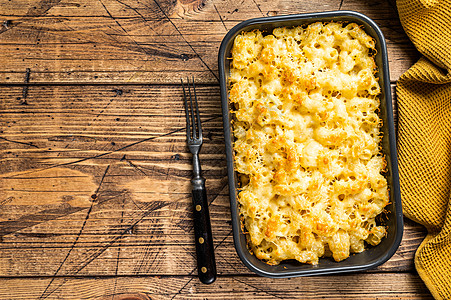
[(80, 122), (78, 177), (159, 238), (152, 42), (165, 233), (156, 248), (357, 286)]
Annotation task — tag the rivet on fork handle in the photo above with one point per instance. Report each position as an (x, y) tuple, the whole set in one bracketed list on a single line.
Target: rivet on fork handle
[(206, 264)]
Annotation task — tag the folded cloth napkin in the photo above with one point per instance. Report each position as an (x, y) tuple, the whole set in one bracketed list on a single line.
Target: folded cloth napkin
[(424, 137)]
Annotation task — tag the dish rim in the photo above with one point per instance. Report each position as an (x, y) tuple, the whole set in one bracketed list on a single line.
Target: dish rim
[(383, 70)]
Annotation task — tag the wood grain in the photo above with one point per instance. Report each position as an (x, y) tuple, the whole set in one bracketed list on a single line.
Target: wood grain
[(356, 286), (112, 41)]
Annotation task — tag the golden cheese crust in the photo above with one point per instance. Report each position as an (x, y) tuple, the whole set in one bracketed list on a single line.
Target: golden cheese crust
[(307, 141)]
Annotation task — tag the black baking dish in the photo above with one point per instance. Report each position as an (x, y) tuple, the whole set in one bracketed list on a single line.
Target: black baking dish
[(371, 257)]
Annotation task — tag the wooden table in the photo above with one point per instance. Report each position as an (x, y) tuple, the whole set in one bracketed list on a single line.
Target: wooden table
[(94, 170)]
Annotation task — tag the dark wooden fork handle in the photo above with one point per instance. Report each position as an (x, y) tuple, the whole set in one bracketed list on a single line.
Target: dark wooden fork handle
[(206, 264)]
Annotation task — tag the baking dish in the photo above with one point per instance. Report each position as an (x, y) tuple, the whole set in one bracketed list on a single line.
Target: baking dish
[(371, 257)]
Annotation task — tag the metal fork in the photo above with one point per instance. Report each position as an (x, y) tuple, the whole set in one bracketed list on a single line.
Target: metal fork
[(206, 265)]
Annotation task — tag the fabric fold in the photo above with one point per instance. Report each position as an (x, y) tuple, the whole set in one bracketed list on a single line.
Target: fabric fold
[(424, 137)]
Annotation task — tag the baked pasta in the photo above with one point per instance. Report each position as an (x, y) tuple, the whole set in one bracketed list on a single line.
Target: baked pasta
[(307, 137)]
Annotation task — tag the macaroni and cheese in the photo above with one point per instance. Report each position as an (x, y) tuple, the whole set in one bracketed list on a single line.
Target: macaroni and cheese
[(307, 141)]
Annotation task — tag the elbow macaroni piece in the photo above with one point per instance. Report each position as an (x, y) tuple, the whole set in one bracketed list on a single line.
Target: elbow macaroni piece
[(307, 138)]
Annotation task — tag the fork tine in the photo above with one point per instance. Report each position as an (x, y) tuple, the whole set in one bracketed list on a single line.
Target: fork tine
[(192, 111), (199, 125), (188, 132)]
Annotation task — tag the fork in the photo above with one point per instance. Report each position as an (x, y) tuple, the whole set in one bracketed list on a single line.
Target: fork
[(206, 265)]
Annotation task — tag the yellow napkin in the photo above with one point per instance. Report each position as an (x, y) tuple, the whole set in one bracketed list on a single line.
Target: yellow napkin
[(424, 137)]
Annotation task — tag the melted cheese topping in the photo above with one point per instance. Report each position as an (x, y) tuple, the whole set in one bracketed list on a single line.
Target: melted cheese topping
[(307, 141)]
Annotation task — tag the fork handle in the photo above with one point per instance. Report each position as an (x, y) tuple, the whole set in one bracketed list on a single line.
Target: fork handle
[(206, 265)]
